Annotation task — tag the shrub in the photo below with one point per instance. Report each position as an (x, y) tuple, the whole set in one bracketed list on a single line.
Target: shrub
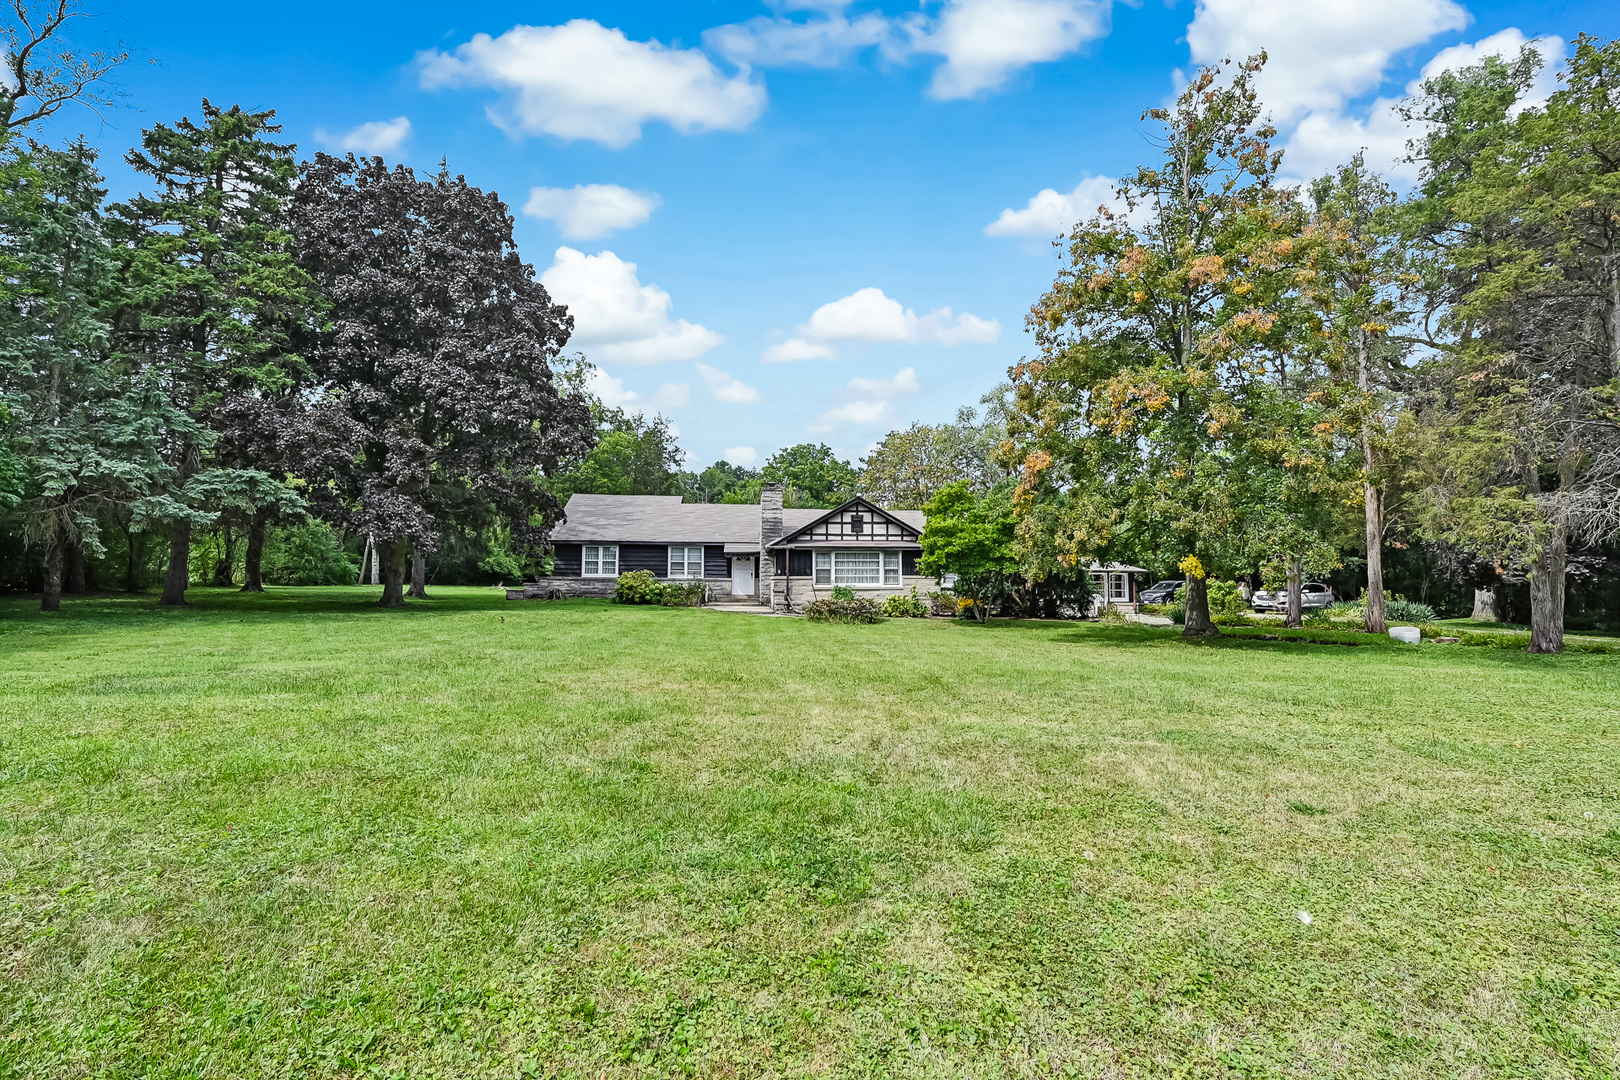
[(834, 610), (901, 606), (308, 554), (1113, 614), (683, 593), (1177, 613), (843, 592), (1408, 611), (1226, 603), (638, 587), (942, 603)]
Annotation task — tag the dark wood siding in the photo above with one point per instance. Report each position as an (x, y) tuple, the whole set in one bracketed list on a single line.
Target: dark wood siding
[(654, 557), (715, 563), (800, 564), (908, 562), (567, 560)]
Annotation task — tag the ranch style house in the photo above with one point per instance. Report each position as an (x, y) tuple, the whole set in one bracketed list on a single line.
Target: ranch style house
[(778, 557)]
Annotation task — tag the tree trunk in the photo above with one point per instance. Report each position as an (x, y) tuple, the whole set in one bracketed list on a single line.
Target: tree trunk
[(1376, 619), (253, 559), (130, 558), (50, 592), (1485, 605), (1294, 616), (393, 563), (1198, 623), (77, 577), (179, 572), (1547, 596), (418, 573), (1374, 498)]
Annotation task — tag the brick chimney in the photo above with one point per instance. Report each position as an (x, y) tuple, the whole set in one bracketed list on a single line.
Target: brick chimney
[(772, 592)]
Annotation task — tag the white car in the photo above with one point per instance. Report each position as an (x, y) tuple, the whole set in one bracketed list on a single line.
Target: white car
[(1313, 596)]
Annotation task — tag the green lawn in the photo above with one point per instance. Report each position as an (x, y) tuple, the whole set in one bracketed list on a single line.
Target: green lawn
[(295, 835)]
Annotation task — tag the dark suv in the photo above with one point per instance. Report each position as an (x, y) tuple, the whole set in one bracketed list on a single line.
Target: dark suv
[(1162, 592)]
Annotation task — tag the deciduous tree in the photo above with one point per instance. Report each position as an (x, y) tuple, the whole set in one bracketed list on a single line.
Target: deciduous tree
[(432, 391)]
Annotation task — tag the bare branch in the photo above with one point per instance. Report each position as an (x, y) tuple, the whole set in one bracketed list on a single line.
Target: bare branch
[(38, 67)]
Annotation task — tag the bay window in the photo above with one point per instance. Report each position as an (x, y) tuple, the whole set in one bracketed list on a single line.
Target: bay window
[(685, 561), (601, 560)]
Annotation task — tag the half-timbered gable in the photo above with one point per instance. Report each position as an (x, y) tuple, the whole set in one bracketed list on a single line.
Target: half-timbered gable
[(855, 524)]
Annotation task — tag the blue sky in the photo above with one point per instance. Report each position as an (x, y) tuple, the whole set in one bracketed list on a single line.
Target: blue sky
[(799, 220)]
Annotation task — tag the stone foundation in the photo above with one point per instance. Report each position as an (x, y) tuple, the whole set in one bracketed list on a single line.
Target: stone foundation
[(566, 588)]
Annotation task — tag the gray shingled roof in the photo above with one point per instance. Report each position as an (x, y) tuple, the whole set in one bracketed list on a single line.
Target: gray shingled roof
[(664, 519)]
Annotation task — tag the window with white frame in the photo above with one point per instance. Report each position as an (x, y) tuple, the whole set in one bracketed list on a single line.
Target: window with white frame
[(1118, 587), (601, 560), (685, 560), (862, 567)]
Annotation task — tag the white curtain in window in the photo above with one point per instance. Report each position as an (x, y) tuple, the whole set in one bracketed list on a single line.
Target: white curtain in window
[(857, 567)]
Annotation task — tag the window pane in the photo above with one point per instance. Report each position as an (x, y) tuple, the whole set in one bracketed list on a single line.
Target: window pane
[(857, 567), (610, 560), (591, 551), (823, 559), (823, 575), (891, 568)]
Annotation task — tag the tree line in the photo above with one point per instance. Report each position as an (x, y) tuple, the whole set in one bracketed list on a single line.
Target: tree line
[(1237, 373)]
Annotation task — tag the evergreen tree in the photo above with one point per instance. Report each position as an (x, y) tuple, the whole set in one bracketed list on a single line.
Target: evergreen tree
[(215, 300), (87, 436)]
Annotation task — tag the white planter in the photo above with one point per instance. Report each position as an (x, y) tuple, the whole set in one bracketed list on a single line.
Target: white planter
[(1408, 634)]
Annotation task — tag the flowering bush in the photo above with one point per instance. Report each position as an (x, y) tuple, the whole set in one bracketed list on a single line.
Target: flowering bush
[(901, 606), (637, 587)]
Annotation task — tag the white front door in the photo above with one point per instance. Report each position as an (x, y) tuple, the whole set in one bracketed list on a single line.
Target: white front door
[(742, 576)]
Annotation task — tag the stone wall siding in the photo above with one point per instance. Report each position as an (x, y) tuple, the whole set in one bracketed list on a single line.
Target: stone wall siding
[(800, 591), (572, 587)]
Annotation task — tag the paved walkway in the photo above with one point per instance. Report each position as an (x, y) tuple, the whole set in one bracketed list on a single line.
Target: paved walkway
[(747, 609)]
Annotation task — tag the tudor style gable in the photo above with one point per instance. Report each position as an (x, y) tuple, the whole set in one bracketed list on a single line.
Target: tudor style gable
[(855, 522)]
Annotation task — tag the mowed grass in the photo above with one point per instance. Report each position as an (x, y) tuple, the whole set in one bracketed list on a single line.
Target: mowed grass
[(294, 835)]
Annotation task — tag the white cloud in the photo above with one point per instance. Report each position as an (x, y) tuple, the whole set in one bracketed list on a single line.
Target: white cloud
[(613, 394), (588, 211), (816, 42), (374, 138), (797, 349), (725, 388), (904, 382), (1051, 213), (867, 400), (740, 455), (1320, 53), (1328, 138), (985, 41), (581, 80), (863, 413), (869, 315), (618, 319)]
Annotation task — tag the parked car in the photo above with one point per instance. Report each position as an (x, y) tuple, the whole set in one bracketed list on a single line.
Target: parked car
[(1162, 592), (1313, 595)]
